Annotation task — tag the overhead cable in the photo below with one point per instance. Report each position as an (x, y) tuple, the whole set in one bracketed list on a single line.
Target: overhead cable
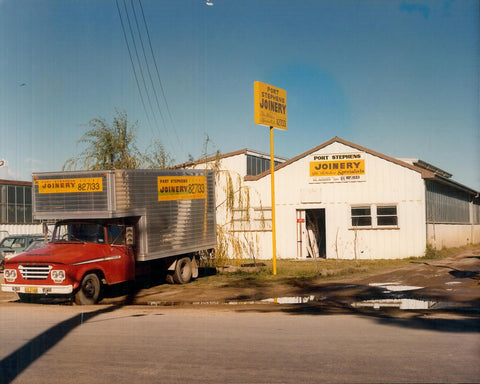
[(133, 66), (158, 73)]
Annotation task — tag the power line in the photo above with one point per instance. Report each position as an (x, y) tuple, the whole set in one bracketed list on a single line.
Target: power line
[(144, 92), (139, 63), (148, 67), (157, 71), (133, 66)]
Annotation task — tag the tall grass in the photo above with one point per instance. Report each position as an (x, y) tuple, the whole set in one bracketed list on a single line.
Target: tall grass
[(328, 268)]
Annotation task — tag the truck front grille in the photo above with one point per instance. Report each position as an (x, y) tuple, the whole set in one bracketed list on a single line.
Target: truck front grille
[(35, 271)]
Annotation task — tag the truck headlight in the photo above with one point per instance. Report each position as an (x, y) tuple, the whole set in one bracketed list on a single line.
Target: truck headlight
[(10, 275), (58, 275)]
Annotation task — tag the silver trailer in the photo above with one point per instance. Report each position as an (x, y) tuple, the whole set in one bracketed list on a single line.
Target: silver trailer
[(173, 210)]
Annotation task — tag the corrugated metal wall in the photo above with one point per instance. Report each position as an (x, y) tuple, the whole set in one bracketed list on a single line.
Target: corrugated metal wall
[(476, 211), (71, 205), (445, 204), (172, 227), (19, 229), (167, 228)]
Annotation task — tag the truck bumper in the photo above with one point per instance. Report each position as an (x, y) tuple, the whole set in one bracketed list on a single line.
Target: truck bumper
[(38, 289)]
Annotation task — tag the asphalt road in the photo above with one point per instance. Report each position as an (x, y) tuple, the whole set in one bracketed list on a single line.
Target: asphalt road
[(113, 344)]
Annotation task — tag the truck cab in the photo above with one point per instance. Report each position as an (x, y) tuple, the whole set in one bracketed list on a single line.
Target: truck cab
[(82, 257)]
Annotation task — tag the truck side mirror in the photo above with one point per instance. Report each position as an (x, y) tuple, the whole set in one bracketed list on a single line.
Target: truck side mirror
[(45, 230)]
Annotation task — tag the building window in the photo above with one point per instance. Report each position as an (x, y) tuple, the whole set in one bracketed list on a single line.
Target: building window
[(257, 165), (374, 216), (361, 217), (387, 216), (15, 204)]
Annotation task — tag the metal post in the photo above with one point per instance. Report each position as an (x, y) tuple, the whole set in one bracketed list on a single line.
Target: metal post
[(272, 166)]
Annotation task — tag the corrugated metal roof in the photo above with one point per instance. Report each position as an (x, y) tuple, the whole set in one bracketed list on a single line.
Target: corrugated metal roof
[(244, 151)]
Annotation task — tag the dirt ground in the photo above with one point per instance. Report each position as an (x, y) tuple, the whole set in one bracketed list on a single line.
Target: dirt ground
[(449, 284)]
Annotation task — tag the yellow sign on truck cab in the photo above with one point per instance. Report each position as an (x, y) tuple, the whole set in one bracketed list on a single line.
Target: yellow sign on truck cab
[(181, 187), (91, 184), (270, 105)]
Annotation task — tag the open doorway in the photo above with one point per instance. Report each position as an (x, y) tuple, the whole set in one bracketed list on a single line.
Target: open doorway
[(315, 233)]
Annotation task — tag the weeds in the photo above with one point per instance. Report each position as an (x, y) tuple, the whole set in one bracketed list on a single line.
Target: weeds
[(304, 270)]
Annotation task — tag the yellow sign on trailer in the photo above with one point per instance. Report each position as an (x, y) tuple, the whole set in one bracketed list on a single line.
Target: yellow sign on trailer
[(181, 187), (76, 185)]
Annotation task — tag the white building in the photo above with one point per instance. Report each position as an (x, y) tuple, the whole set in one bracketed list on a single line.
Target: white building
[(340, 200)]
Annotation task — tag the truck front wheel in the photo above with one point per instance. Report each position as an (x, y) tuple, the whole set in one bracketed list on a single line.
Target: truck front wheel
[(183, 271), (89, 291)]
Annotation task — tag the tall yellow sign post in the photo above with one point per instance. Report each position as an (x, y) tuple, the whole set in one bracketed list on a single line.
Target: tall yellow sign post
[(271, 111)]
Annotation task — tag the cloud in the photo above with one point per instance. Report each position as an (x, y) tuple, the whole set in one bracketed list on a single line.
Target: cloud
[(33, 164), (30, 165), (5, 172), (414, 8)]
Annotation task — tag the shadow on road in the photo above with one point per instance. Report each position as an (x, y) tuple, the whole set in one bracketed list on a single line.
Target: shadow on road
[(126, 294), (14, 364)]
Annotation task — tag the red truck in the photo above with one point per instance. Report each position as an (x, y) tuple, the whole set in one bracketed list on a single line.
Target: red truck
[(112, 224)]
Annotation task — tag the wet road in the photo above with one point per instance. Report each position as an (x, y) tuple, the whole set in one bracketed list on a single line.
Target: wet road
[(105, 344)]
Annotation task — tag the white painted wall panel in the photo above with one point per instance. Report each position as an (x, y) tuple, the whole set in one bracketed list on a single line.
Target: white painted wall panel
[(387, 183), (19, 229), (452, 235)]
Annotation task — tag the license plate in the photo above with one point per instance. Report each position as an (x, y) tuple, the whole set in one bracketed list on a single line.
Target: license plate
[(31, 290)]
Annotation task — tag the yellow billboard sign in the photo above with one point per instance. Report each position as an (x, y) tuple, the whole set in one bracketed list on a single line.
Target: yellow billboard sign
[(270, 105), (181, 187), (90, 184), (337, 167)]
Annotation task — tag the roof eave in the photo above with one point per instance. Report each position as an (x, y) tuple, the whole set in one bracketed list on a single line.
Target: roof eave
[(424, 173)]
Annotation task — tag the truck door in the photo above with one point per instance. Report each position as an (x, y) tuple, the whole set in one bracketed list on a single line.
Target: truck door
[(116, 234)]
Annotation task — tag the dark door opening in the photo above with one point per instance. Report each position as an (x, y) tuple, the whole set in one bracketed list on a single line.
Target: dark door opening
[(315, 226)]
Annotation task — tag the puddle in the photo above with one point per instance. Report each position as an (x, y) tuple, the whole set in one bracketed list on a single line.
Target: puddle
[(395, 287), (273, 300), (404, 304), (390, 295), (399, 303), (291, 300)]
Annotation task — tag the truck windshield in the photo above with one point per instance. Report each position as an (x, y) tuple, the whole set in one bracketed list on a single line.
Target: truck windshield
[(82, 232)]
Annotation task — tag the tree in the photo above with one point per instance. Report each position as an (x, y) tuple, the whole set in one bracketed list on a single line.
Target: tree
[(114, 147), (157, 156)]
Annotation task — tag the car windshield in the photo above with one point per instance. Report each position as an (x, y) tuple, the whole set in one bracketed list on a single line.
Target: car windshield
[(13, 242), (82, 232)]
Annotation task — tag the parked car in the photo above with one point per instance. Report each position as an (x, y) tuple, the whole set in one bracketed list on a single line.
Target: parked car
[(15, 244)]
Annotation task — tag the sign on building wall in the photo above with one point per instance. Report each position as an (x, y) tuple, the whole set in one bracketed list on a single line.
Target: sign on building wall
[(270, 105), (337, 167)]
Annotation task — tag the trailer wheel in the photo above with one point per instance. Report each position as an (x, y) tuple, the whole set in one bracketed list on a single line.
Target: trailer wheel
[(89, 291), (183, 271)]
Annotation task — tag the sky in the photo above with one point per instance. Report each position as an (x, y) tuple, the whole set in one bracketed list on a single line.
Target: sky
[(398, 77)]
